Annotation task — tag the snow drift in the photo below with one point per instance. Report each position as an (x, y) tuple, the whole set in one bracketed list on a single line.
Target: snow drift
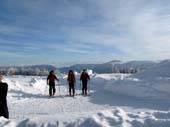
[(161, 70), (153, 83)]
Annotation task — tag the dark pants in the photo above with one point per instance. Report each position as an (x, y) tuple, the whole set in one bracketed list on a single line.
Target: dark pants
[(52, 89), (4, 110), (71, 87), (84, 88)]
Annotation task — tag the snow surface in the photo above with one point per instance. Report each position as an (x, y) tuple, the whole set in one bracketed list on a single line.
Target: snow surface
[(160, 70), (115, 100)]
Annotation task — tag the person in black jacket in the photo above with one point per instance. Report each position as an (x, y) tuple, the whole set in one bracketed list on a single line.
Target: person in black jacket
[(51, 82), (84, 78), (3, 101)]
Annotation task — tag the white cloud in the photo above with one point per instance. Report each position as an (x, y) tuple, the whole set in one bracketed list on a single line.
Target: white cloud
[(138, 29)]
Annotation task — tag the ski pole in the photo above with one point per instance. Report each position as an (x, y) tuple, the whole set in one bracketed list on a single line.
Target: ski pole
[(89, 87), (67, 90), (45, 89), (80, 86), (75, 89), (59, 87)]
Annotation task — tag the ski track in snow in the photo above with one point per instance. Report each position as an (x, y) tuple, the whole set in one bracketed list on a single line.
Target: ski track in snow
[(30, 106)]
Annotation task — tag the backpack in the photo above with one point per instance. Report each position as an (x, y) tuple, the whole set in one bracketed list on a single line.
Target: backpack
[(71, 78)]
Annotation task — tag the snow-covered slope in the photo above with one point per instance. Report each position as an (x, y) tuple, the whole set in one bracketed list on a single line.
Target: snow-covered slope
[(115, 100), (153, 83), (161, 70)]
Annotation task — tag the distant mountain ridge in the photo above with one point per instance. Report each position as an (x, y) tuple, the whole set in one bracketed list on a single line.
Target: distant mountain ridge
[(27, 70), (41, 67), (114, 66)]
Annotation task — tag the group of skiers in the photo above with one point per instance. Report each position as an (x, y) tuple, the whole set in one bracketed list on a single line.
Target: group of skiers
[(71, 79), (51, 82)]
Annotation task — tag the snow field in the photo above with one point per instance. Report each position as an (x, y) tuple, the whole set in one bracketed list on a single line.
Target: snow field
[(115, 100)]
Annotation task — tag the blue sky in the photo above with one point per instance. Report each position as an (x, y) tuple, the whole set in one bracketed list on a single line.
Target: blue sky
[(83, 31)]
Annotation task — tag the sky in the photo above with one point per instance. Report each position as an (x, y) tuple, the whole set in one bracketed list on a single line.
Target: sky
[(83, 31)]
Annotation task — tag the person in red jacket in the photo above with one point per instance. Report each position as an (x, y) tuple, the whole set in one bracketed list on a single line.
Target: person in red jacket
[(71, 81), (84, 78), (51, 82), (3, 101)]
